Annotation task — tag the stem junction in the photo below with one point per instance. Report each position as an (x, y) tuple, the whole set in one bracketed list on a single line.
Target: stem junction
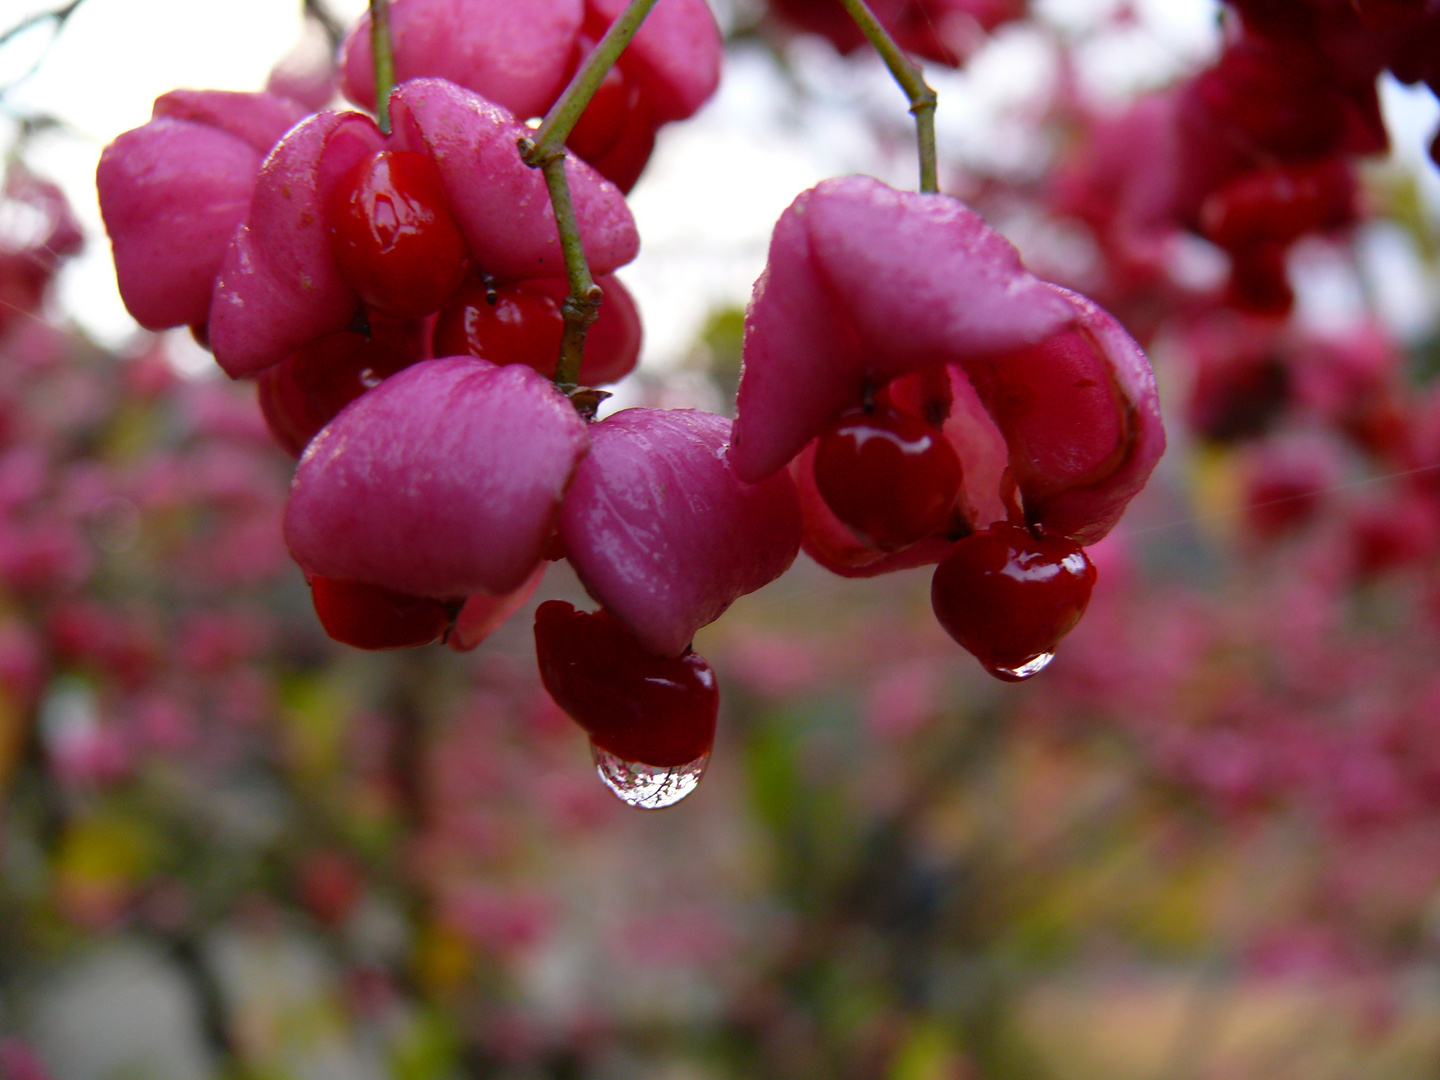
[(912, 80), (545, 150)]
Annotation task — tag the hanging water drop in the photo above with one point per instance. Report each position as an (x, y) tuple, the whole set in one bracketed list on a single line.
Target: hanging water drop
[(1033, 666), (648, 787)]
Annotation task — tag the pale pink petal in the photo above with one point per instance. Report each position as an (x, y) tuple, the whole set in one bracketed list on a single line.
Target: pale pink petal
[(501, 204), (661, 530), (1081, 416), (675, 56), (173, 192), (443, 481), (865, 284), (980, 446), (259, 120), (279, 286), (482, 614), (802, 365), (307, 74), (922, 277), (516, 54)]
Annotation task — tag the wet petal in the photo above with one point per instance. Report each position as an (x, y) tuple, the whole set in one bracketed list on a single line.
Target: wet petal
[(662, 531), (501, 204), (517, 55), (173, 191), (1081, 416), (443, 481), (865, 284), (279, 287)]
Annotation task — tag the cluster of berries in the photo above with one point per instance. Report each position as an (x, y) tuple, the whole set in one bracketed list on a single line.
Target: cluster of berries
[(937, 403), (396, 297), (1257, 150)]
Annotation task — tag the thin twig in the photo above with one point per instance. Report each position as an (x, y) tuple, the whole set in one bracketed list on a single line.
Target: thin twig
[(912, 80), (384, 55), (326, 20), (60, 15), (545, 150)]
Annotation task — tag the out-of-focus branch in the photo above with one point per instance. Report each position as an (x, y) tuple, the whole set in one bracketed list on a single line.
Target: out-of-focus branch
[(325, 19), (59, 16)]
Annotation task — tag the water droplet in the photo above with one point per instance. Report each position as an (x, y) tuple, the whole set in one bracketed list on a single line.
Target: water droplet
[(648, 787), (1024, 671)]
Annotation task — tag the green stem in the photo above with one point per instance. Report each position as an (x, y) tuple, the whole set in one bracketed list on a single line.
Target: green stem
[(908, 74), (326, 20), (545, 150), (565, 113), (582, 306), (384, 55)]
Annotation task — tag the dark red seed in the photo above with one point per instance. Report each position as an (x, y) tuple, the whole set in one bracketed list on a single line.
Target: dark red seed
[(1280, 204), (889, 476), (643, 708), (616, 132), (393, 236), (1008, 595), (524, 326), (305, 391), (369, 617)]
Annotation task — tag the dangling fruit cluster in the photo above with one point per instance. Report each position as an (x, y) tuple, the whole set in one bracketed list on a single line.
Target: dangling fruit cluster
[(397, 246), (361, 254), (980, 419), (398, 298)]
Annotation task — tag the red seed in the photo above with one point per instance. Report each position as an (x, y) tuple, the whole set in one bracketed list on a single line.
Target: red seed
[(1008, 595), (643, 708), (393, 236), (889, 476)]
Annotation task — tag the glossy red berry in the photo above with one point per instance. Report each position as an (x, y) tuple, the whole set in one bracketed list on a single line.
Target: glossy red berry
[(369, 617), (603, 122), (393, 236), (1280, 204), (302, 393), (652, 710), (888, 475), (1008, 595), (616, 132), (1259, 280), (524, 325)]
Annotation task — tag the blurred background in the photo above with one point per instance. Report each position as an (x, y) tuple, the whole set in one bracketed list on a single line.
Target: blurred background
[(1203, 845)]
